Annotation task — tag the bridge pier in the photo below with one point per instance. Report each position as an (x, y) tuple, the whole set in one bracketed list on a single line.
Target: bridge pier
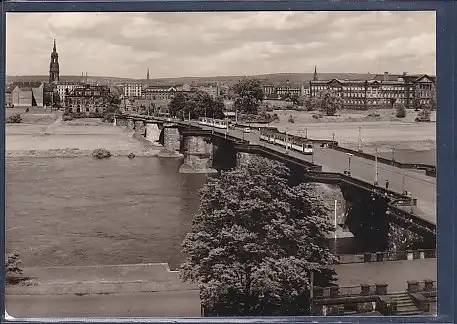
[(140, 129), (153, 132), (171, 142), (197, 155), (130, 124), (367, 217)]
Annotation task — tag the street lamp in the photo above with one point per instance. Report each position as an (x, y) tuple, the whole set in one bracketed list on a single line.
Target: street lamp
[(393, 155), (333, 140), (360, 139), (286, 141), (349, 164), (376, 167), (306, 133)]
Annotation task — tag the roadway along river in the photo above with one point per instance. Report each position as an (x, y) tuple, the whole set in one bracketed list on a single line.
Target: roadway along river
[(82, 211)]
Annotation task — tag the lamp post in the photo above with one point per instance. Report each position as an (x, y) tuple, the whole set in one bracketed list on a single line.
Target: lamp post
[(306, 132), (286, 140), (349, 163), (360, 139), (335, 221), (393, 155), (333, 140), (376, 167)]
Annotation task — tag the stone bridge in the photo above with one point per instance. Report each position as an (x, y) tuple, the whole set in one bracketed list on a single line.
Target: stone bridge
[(374, 214)]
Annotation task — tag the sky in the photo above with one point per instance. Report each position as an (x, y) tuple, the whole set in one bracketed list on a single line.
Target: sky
[(212, 44)]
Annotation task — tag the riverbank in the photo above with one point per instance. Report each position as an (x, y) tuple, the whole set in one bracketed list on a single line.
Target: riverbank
[(72, 139)]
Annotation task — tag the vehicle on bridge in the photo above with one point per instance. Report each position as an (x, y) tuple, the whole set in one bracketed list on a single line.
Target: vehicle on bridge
[(217, 123), (305, 147)]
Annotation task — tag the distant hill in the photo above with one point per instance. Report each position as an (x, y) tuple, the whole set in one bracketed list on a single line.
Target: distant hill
[(271, 78)]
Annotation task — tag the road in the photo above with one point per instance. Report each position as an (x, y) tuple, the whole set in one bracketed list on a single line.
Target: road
[(157, 304), (421, 186)]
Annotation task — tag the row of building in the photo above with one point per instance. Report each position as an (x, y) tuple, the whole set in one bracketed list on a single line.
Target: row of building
[(382, 90)]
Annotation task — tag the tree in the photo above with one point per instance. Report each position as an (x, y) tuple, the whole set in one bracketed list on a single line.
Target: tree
[(297, 100), (328, 102), (248, 95), (400, 110), (432, 101), (198, 104), (177, 104), (416, 98), (255, 241)]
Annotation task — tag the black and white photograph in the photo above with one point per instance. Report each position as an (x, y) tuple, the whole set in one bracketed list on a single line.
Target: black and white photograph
[(220, 164)]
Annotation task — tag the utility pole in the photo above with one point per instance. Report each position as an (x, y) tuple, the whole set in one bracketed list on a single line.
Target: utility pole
[(376, 167)]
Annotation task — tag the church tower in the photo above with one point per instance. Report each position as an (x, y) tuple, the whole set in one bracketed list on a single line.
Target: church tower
[(315, 73), (54, 66), (147, 75)]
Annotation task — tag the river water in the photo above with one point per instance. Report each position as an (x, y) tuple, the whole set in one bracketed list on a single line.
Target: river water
[(82, 211)]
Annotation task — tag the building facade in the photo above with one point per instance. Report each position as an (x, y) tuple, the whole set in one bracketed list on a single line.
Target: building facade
[(54, 65), (64, 88), (87, 99), (27, 94), (134, 90), (159, 92), (383, 91)]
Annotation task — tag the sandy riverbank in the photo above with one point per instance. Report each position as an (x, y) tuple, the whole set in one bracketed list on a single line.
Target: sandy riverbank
[(72, 139)]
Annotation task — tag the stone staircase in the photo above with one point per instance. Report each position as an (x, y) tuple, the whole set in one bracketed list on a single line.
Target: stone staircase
[(405, 305)]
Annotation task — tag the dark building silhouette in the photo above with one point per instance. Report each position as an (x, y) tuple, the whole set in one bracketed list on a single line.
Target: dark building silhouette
[(315, 77), (54, 66)]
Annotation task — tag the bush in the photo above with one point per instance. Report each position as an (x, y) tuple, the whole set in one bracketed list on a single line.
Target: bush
[(317, 116), (108, 118), (131, 155), (291, 119), (14, 119), (101, 154), (13, 264), (400, 110), (67, 117)]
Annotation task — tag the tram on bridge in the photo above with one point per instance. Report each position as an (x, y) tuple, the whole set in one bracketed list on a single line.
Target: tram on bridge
[(291, 142), (217, 123)]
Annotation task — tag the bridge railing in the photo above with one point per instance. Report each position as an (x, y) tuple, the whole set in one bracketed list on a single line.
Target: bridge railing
[(387, 256)]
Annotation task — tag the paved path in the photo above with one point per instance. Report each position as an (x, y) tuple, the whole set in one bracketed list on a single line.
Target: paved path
[(151, 304), (394, 273), (421, 186)]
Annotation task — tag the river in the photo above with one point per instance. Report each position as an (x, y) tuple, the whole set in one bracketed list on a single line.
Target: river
[(82, 211)]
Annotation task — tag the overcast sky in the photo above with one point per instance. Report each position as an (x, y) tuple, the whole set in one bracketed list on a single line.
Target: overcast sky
[(210, 44)]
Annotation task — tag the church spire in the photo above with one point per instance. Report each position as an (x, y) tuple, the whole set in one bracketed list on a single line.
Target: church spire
[(315, 73), (147, 75), (54, 65)]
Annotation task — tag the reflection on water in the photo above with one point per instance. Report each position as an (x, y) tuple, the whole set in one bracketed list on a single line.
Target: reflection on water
[(82, 211)]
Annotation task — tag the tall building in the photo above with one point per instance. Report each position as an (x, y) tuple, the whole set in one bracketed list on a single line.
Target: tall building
[(54, 65)]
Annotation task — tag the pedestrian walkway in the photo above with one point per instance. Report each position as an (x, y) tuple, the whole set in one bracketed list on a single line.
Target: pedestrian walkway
[(394, 273)]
